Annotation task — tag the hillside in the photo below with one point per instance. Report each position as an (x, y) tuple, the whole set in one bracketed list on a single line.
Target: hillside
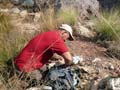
[(97, 64)]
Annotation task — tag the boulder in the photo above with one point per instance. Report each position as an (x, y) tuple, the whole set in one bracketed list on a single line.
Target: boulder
[(83, 31), (23, 13), (17, 2), (84, 7), (109, 83), (15, 10)]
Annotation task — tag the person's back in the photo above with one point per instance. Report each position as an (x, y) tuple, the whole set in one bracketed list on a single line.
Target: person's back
[(39, 50)]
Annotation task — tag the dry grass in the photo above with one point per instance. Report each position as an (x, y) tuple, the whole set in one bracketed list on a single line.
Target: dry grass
[(11, 43), (51, 20), (108, 25)]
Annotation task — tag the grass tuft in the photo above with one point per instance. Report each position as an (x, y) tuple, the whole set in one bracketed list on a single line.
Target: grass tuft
[(108, 26)]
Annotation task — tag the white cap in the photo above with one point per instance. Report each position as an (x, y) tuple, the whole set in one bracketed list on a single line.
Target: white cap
[(69, 29)]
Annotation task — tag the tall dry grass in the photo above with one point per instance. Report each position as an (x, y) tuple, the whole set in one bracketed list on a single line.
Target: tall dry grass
[(108, 25), (11, 42), (108, 29), (51, 20)]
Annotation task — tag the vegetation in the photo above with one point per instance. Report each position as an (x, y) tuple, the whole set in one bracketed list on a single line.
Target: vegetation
[(108, 29), (11, 42), (67, 16), (108, 26), (52, 20)]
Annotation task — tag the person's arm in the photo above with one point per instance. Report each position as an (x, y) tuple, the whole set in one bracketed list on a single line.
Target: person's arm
[(68, 58)]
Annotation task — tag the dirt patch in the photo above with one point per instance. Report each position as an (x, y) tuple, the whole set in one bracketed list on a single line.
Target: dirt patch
[(87, 49)]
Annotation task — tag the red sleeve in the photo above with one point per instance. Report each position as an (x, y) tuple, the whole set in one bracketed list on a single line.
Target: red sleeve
[(59, 47)]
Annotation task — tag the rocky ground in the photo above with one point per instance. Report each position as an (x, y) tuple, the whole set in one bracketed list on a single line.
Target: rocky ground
[(96, 65)]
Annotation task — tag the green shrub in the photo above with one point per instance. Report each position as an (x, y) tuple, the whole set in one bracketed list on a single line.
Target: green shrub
[(108, 26)]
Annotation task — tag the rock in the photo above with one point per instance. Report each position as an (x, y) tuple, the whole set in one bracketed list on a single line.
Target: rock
[(90, 25), (23, 13), (37, 17), (17, 2), (113, 84), (4, 10), (96, 60), (47, 88), (84, 7), (28, 3), (29, 28), (15, 10), (111, 67), (83, 31), (77, 59), (109, 84), (34, 88)]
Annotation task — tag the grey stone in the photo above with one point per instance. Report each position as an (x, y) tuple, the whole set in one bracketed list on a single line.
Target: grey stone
[(15, 10), (84, 7), (17, 2), (113, 84), (28, 3)]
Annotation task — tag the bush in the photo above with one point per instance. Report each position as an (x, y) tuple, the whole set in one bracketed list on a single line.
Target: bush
[(108, 29), (108, 26), (11, 42)]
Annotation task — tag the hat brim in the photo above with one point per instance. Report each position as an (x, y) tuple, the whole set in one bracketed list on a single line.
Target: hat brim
[(71, 38)]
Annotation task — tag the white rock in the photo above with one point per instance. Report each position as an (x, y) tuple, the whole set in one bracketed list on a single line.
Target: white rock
[(16, 2), (23, 13), (77, 59), (4, 10), (28, 3), (47, 88), (113, 84), (84, 31), (37, 17), (33, 88), (96, 60), (15, 10)]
